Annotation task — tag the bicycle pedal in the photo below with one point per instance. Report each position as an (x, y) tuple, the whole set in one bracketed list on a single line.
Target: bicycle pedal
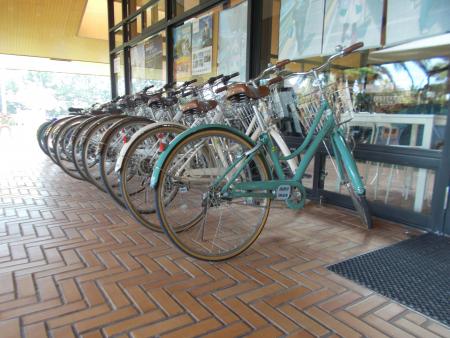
[(283, 192)]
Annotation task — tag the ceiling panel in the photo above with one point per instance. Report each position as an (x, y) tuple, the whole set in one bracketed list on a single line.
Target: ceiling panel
[(49, 28)]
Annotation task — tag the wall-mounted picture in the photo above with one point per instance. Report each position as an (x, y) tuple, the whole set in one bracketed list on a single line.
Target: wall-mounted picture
[(350, 21), (202, 32), (301, 26), (182, 39), (202, 61), (154, 53), (419, 18), (233, 41), (202, 39)]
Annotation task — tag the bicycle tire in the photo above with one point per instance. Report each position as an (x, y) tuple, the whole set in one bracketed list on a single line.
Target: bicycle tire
[(40, 135), (77, 139), (90, 146), (236, 241), (129, 195), (51, 140), (108, 158), (64, 155)]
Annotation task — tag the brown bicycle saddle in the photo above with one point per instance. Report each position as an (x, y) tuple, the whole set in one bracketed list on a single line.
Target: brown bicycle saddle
[(198, 107), (251, 92), (154, 100)]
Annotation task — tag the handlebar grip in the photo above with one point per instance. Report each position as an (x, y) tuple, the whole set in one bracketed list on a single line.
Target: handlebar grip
[(147, 88), (187, 83), (227, 78), (352, 48), (282, 63), (274, 80), (187, 93), (221, 89), (74, 110), (169, 85), (213, 79)]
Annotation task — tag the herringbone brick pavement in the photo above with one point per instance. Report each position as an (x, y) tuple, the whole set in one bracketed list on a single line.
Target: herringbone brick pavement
[(73, 264)]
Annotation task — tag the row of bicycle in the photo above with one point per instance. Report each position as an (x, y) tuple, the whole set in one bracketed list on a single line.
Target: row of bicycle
[(115, 145), (203, 162)]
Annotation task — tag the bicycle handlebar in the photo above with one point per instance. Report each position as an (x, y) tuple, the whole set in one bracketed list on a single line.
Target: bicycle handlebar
[(188, 83), (344, 52), (352, 48), (213, 79), (281, 64), (227, 78), (274, 80), (75, 110)]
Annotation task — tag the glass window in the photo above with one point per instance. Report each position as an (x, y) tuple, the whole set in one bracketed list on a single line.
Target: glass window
[(397, 186), (400, 94), (182, 6), (212, 43), (148, 62), (117, 11), (118, 37), (119, 75), (135, 27), (135, 5), (155, 13), (401, 103)]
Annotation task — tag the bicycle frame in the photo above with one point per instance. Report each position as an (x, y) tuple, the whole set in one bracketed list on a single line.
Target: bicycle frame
[(265, 189), (309, 146)]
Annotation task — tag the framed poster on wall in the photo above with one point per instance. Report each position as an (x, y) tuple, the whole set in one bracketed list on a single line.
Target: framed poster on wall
[(350, 21), (301, 27), (154, 53), (137, 61), (202, 41), (418, 19), (182, 40), (233, 41)]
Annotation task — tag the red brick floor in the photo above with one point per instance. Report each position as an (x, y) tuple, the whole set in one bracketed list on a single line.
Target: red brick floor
[(73, 264)]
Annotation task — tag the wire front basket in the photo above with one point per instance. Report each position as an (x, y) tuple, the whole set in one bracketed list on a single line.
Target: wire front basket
[(339, 101)]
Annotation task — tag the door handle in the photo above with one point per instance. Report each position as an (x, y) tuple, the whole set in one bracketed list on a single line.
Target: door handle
[(446, 197)]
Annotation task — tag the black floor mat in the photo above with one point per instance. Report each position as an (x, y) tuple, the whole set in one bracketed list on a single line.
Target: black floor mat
[(415, 272)]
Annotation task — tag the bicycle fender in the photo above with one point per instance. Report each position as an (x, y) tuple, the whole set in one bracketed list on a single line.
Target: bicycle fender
[(124, 150), (113, 128), (159, 163), (350, 163)]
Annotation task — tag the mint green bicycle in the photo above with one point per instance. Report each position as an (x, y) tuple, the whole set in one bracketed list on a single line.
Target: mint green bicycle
[(214, 185)]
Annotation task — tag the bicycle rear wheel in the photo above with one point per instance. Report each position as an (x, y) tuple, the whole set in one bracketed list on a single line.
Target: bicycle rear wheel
[(196, 217), (77, 140), (64, 155), (111, 145), (50, 135), (136, 169), (90, 160), (40, 135)]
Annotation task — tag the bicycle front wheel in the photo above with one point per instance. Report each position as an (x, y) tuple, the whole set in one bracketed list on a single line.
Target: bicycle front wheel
[(192, 211)]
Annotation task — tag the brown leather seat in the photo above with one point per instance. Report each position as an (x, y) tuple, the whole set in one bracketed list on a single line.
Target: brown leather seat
[(199, 107), (154, 100), (251, 92)]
